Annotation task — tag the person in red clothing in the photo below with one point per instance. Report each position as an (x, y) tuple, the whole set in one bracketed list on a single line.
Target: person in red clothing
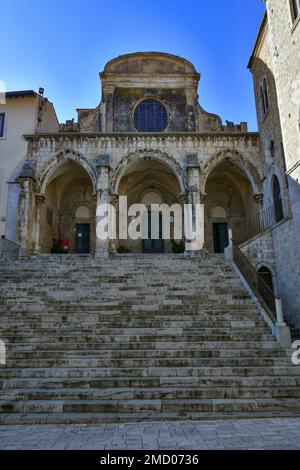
[(64, 245)]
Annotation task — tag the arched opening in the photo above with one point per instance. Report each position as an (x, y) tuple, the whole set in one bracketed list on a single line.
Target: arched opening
[(67, 220), (266, 275), (149, 181), (277, 199), (228, 203)]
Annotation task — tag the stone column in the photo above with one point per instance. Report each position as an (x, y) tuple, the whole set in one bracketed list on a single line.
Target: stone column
[(259, 200), (196, 203), (103, 200), (25, 213), (39, 201)]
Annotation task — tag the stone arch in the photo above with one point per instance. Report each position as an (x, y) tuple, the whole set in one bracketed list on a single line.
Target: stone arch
[(237, 159), (266, 264), (139, 155), (60, 159)]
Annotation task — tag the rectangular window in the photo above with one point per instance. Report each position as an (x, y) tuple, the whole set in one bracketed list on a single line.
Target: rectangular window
[(295, 4), (2, 122)]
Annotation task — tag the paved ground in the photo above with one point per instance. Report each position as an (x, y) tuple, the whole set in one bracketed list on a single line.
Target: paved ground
[(237, 434)]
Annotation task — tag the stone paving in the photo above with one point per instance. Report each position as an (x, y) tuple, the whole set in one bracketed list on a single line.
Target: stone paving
[(201, 435)]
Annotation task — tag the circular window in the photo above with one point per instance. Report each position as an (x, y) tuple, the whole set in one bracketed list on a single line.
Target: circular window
[(150, 116)]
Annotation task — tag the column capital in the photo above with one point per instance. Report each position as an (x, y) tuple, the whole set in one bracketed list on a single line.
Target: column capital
[(259, 198), (184, 197), (114, 198), (202, 197), (40, 199)]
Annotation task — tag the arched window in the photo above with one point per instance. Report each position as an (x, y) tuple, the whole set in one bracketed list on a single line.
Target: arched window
[(262, 99), (272, 150), (266, 94), (277, 198), (150, 116), (266, 275)]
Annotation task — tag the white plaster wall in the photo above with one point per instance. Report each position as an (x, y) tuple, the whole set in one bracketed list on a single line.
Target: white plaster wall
[(20, 118)]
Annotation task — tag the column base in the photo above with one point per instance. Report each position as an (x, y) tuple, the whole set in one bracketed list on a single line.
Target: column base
[(102, 254), (283, 335)]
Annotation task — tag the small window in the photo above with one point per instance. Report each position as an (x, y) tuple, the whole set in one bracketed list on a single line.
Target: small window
[(266, 94), (295, 6), (277, 198), (150, 116), (272, 150), (262, 99), (2, 122)]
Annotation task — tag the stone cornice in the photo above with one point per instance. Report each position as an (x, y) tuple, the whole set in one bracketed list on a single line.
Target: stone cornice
[(259, 40), (136, 136)]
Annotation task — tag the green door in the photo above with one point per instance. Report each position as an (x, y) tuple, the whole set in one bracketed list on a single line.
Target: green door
[(154, 245), (82, 238), (221, 240)]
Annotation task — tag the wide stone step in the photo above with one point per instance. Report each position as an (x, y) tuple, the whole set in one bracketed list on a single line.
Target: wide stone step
[(135, 406), (150, 371), (145, 362), (153, 353), (160, 393), (153, 382)]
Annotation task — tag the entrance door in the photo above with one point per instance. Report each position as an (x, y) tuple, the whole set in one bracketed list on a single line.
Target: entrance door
[(221, 240), (82, 238), (154, 245)]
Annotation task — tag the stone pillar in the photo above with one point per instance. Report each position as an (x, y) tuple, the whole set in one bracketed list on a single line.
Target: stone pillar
[(195, 201), (259, 200), (25, 213), (39, 201), (103, 199)]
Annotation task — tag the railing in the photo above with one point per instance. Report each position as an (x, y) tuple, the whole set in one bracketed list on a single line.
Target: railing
[(9, 249), (256, 282), (257, 223)]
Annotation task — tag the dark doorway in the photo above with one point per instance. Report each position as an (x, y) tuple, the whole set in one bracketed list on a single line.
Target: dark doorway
[(82, 238), (154, 245), (266, 274), (221, 240)]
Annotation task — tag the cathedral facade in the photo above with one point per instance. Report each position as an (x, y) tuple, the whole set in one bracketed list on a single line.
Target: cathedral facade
[(149, 140)]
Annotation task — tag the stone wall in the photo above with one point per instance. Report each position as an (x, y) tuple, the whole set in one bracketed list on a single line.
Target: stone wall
[(174, 101)]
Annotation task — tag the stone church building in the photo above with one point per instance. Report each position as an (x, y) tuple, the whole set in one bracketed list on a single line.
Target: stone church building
[(149, 139)]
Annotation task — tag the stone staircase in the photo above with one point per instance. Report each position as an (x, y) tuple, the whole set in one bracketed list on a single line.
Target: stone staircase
[(136, 338)]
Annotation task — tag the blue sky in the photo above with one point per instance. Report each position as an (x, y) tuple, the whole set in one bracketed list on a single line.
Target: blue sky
[(63, 45)]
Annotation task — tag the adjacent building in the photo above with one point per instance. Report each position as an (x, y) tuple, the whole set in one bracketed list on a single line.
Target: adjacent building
[(23, 112)]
